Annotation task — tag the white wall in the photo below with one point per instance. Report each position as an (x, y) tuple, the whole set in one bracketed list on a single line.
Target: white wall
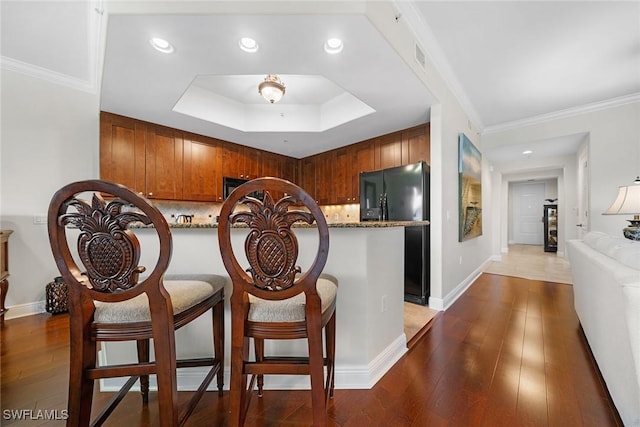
[(49, 138), (614, 158), (454, 264)]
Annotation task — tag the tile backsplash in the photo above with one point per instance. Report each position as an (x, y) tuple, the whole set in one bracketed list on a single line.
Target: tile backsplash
[(204, 213)]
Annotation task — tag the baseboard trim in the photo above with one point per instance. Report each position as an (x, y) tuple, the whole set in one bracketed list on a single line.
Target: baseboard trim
[(22, 310), (346, 377)]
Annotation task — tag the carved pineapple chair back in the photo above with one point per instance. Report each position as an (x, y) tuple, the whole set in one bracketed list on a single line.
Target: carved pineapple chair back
[(110, 300), (272, 298)]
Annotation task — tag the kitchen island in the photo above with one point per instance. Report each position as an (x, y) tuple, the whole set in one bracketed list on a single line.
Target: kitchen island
[(367, 259)]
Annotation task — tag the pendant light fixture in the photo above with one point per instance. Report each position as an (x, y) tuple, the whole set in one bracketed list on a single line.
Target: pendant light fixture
[(271, 89)]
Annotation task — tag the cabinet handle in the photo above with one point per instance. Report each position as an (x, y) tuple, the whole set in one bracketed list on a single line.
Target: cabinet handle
[(150, 194)]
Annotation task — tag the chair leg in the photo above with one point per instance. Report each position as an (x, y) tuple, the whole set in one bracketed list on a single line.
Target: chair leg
[(143, 356), (330, 341), (258, 344), (316, 370), (165, 354), (238, 383), (80, 386), (218, 342)]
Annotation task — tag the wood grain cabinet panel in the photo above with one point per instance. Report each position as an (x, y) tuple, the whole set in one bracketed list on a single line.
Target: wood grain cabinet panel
[(363, 160), (415, 145), (122, 151), (324, 178), (342, 180), (163, 158), (389, 151), (202, 166), (251, 163), (307, 177)]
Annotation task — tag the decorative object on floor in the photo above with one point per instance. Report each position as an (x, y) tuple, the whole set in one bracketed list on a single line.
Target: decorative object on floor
[(272, 89), (628, 203), (469, 189), (57, 296), (273, 299)]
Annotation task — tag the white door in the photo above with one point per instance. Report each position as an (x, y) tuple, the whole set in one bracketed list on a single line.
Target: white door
[(528, 202)]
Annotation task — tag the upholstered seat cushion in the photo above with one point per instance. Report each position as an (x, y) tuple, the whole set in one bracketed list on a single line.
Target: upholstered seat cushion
[(186, 290), (292, 309)]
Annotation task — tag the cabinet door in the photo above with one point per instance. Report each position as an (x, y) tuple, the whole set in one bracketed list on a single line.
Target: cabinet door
[(342, 176), (308, 176), (122, 151), (363, 158), (289, 169), (251, 163), (324, 178), (271, 164), (389, 148), (202, 169), (415, 145), (163, 163), (232, 160)]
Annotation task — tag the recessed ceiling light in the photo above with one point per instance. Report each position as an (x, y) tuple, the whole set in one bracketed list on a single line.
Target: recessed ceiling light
[(248, 44), (527, 152), (333, 46), (161, 44)]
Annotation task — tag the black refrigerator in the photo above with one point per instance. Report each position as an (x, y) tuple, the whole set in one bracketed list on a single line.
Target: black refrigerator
[(406, 190)]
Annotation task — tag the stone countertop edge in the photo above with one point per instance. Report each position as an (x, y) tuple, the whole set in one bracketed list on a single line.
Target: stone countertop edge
[(363, 224)]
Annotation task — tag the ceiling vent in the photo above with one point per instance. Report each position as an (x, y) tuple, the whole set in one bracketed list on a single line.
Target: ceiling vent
[(420, 58)]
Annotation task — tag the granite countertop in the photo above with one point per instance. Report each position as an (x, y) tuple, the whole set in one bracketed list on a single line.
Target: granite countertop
[(363, 224)]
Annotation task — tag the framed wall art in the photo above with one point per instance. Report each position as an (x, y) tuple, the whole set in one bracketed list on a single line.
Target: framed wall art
[(469, 189)]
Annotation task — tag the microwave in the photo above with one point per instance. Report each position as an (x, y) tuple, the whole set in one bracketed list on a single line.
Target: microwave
[(229, 184)]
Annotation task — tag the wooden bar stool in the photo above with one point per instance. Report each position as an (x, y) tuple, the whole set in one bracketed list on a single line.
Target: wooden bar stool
[(275, 300)]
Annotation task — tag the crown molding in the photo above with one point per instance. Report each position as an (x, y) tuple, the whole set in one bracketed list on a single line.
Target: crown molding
[(424, 36), (562, 114), (31, 70)]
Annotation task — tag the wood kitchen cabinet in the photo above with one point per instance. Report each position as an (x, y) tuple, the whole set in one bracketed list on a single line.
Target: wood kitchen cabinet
[(363, 160), (240, 162), (325, 192), (388, 151), (202, 168), (415, 145), (307, 178), (141, 156), (163, 158), (122, 151), (342, 176)]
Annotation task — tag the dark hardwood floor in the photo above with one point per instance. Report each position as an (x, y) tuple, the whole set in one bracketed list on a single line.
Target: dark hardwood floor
[(509, 352)]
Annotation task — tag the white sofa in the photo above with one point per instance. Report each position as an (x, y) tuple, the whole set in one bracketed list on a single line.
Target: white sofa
[(606, 282)]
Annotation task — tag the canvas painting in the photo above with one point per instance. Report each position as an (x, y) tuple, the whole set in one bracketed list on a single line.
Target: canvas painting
[(469, 189)]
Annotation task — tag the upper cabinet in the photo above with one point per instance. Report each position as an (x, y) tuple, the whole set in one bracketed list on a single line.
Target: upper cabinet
[(202, 168), (122, 151), (333, 177), (141, 156), (388, 151), (163, 158), (164, 163), (415, 145)]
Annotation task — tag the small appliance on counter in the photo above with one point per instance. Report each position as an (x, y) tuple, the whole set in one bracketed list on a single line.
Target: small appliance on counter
[(402, 194)]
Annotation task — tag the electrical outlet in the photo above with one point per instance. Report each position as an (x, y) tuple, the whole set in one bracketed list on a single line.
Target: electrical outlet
[(40, 219), (384, 303), (460, 259)]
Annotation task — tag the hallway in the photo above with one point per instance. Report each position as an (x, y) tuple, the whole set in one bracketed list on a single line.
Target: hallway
[(532, 262)]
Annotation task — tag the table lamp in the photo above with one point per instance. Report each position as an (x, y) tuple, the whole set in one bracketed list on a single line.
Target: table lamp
[(628, 202)]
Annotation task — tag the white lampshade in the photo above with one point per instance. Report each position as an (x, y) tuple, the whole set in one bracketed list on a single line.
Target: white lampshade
[(627, 202)]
